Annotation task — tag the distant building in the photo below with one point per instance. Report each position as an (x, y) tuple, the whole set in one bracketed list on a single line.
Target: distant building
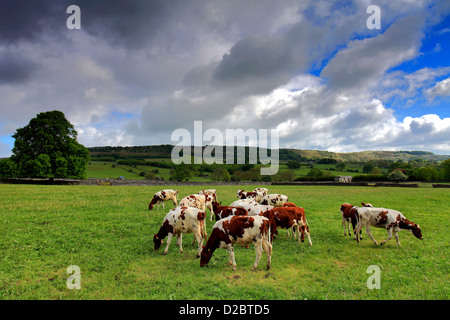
[(343, 179)]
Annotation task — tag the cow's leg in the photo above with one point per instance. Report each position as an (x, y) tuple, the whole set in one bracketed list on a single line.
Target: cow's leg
[(180, 241), (231, 259), (369, 232), (352, 222), (199, 238), (268, 250), (169, 239), (295, 231), (258, 249), (389, 231), (396, 238), (344, 225), (348, 224), (307, 234), (358, 230)]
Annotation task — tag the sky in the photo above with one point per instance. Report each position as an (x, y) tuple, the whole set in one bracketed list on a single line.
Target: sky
[(312, 70)]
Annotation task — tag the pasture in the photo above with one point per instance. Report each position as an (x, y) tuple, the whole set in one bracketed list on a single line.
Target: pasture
[(108, 232)]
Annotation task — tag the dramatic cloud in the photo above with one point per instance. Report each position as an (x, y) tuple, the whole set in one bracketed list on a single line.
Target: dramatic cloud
[(137, 70)]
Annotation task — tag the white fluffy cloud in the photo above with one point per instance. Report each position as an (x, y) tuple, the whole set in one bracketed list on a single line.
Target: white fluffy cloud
[(441, 89)]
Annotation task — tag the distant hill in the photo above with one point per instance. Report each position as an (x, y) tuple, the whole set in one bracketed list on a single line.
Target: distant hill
[(164, 152), (365, 156)]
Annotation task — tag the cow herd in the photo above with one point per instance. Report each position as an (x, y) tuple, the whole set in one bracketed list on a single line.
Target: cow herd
[(255, 218)]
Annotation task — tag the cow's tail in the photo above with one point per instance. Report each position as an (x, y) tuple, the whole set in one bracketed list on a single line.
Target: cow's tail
[(271, 230)]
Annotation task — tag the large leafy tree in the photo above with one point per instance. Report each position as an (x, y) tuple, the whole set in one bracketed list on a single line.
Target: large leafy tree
[(47, 148)]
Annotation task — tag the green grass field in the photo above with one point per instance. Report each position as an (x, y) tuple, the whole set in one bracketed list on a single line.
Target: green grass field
[(103, 170), (108, 231)]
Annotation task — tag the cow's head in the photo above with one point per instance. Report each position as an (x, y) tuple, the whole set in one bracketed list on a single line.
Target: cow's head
[(157, 241), (216, 204), (153, 202), (239, 193), (416, 231), (411, 226), (205, 256)]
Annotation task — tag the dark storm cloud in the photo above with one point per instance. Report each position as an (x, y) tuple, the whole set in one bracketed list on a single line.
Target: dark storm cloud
[(253, 58), (14, 68), (28, 20), (130, 23)]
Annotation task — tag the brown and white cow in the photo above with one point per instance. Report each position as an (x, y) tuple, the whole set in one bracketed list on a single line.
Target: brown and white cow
[(221, 212), (254, 208), (241, 194), (392, 220), (276, 200), (287, 218), (262, 191), (178, 221), (164, 195), (241, 202), (212, 192), (289, 204), (239, 230), (349, 216), (200, 201)]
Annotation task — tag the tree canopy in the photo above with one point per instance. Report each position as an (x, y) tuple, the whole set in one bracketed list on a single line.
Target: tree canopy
[(47, 148)]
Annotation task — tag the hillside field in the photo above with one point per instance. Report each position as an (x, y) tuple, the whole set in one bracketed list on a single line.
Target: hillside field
[(107, 232), (111, 170)]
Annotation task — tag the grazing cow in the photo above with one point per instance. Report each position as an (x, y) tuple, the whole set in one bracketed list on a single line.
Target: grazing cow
[(392, 220), (178, 221), (200, 201), (349, 215), (212, 192), (276, 200), (254, 208), (241, 194), (262, 191), (164, 195), (289, 204), (240, 202), (239, 230), (287, 218), (221, 212)]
